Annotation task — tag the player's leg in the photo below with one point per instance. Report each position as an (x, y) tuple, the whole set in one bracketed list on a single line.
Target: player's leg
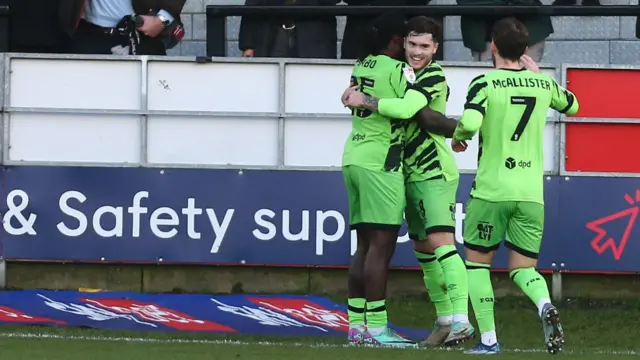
[(524, 238), (436, 201), (356, 300), (432, 275), (382, 203), (485, 225)]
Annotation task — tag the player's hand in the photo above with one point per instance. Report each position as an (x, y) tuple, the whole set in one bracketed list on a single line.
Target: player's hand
[(529, 64), (346, 94), (355, 99), (152, 25), (458, 146)]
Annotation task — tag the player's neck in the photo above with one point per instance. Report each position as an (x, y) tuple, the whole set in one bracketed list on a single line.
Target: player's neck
[(507, 64)]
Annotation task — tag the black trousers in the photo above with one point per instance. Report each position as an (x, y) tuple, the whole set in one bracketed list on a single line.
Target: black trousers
[(93, 39)]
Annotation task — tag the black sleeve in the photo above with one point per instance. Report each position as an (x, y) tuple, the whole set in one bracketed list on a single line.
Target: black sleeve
[(435, 122), (249, 28)]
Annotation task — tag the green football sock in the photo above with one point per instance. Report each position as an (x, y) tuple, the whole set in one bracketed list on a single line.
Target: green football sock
[(481, 294), (455, 276), (377, 314), (356, 311), (434, 282), (533, 285)]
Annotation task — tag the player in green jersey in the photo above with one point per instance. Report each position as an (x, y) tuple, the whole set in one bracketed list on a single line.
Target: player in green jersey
[(431, 178), (372, 169), (509, 107)]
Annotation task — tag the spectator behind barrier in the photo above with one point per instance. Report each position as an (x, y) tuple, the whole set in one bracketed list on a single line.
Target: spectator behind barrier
[(34, 27), (354, 24), (314, 37), (107, 26), (476, 31)]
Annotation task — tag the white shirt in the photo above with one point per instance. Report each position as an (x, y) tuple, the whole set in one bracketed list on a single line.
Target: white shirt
[(107, 13)]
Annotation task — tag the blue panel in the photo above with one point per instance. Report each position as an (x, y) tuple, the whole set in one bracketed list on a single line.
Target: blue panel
[(275, 218)]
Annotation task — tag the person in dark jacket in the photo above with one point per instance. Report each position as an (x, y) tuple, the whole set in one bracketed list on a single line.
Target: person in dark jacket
[(34, 27), (349, 48), (91, 25), (314, 37), (476, 31)]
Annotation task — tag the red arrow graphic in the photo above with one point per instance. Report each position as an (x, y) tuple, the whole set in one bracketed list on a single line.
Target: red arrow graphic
[(602, 241)]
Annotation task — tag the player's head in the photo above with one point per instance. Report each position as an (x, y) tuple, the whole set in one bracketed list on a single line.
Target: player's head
[(384, 35), (421, 43), (510, 39)]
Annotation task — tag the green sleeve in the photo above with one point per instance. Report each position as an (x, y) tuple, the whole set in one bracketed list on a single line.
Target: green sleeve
[(427, 87), (563, 100), (474, 110), (398, 80), (403, 108)]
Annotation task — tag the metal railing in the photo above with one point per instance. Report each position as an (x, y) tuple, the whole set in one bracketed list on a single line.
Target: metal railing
[(217, 14)]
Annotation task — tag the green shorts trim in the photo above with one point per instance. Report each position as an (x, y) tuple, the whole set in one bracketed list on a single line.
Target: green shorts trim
[(431, 206), (376, 198), (486, 223)]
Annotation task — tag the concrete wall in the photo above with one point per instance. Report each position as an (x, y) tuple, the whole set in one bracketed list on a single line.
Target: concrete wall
[(593, 40), (213, 279)]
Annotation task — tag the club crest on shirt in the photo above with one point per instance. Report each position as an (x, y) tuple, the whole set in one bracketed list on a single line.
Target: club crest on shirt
[(409, 74)]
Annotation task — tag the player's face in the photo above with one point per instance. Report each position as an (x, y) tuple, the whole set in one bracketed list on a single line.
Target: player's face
[(419, 50)]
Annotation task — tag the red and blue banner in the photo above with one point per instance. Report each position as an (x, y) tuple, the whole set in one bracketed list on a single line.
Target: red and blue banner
[(294, 315), (271, 218)]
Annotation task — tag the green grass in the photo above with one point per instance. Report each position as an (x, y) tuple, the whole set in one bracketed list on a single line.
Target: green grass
[(595, 330)]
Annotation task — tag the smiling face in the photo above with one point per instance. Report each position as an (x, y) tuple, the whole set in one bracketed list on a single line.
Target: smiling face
[(419, 50)]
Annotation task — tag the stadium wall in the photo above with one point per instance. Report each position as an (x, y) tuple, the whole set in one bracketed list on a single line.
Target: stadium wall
[(94, 177)]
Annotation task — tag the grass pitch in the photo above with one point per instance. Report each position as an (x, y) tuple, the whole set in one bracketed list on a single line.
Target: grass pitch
[(594, 329)]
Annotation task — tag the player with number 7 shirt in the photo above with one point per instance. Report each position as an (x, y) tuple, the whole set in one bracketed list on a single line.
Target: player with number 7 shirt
[(508, 106)]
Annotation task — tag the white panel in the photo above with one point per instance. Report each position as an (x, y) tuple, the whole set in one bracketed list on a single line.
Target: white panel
[(459, 78), (320, 142), (550, 148), (188, 86), (315, 142), (74, 138), (212, 141), (316, 88), (76, 84)]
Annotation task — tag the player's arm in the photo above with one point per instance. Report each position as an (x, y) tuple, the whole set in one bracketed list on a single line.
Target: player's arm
[(435, 122), (410, 102), (474, 110), (563, 100), (418, 95)]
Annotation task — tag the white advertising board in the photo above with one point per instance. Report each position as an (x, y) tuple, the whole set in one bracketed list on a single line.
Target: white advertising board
[(172, 112)]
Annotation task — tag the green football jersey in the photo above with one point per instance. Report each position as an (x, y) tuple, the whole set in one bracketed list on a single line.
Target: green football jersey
[(509, 107), (426, 155), (376, 141)]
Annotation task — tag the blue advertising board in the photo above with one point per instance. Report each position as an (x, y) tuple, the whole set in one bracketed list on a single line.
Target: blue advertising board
[(273, 218), (284, 315)]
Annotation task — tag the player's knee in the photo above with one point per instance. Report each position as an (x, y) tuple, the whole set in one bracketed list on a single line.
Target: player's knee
[(423, 246), (521, 261), (440, 239), (382, 241), (477, 256)]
